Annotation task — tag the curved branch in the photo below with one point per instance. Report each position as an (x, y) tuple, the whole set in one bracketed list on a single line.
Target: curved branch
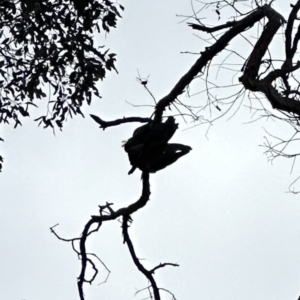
[(261, 46), (249, 78), (162, 265), (125, 211), (206, 56), (141, 268), (84, 258)]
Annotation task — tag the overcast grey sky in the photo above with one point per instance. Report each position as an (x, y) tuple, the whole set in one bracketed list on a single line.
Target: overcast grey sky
[(221, 212)]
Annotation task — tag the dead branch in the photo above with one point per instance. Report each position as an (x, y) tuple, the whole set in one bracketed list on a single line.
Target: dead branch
[(141, 268), (206, 56), (111, 215), (104, 124), (211, 29)]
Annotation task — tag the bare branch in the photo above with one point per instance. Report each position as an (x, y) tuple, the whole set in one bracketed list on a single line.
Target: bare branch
[(100, 219), (211, 29), (162, 265), (104, 124), (141, 268), (288, 32), (206, 56)]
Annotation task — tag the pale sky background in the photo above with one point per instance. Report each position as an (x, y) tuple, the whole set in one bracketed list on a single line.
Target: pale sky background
[(221, 212)]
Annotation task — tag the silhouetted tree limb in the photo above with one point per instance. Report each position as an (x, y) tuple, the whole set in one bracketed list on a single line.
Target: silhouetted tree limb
[(141, 268), (211, 29), (104, 124), (162, 265), (273, 84), (98, 220), (249, 79), (147, 273)]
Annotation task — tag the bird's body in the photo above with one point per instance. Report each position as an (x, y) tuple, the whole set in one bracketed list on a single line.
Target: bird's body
[(148, 148)]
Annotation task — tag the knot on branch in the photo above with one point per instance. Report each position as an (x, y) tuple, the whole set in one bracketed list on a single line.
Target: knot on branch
[(148, 148)]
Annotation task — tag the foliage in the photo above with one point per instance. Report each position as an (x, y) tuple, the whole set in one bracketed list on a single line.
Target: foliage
[(50, 43)]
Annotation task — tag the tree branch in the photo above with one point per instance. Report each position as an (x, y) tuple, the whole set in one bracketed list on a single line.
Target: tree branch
[(211, 29), (162, 265), (261, 46), (126, 211), (141, 268), (104, 124), (288, 32), (249, 78), (206, 56)]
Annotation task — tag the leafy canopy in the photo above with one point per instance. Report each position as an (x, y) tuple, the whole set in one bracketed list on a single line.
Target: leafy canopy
[(47, 45)]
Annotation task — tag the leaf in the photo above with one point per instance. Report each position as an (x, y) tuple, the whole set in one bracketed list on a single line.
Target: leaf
[(65, 110), (17, 123), (68, 19), (31, 103), (72, 77), (59, 124), (97, 14), (97, 120), (55, 89), (47, 123), (104, 26), (89, 98), (79, 111), (23, 112), (45, 78), (19, 52), (5, 41), (116, 11)]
